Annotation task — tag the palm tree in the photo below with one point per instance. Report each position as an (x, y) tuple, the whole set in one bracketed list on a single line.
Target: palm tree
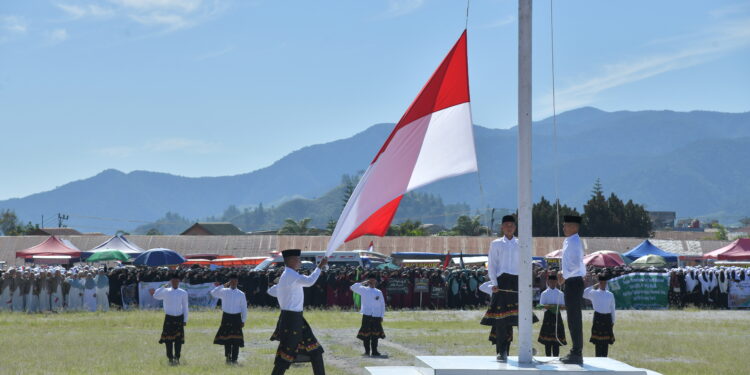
[(296, 227)]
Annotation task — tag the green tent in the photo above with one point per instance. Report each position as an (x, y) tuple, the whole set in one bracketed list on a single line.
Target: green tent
[(105, 255), (650, 260)]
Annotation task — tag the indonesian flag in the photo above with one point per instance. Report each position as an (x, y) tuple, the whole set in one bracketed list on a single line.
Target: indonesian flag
[(371, 248), (432, 141)]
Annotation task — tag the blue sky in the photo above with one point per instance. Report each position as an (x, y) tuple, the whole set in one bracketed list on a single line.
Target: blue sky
[(219, 87)]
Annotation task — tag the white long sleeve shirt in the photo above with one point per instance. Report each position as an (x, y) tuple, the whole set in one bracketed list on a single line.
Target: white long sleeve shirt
[(502, 258), (572, 258), (373, 303), (552, 296), (175, 301), (602, 300), (233, 301), (289, 289), (486, 287)]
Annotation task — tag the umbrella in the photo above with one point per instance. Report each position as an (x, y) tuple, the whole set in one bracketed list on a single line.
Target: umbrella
[(604, 258), (102, 255), (650, 260), (387, 266), (159, 257)]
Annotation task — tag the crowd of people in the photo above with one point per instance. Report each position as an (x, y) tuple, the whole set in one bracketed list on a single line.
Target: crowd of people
[(89, 288), (36, 289)]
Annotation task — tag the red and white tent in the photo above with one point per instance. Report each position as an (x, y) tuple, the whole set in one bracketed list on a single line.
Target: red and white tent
[(432, 141), (737, 250), (50, 247)]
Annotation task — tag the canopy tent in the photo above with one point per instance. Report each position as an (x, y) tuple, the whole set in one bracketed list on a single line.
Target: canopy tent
[(50, 259), (117, 242), (650, 260), (737, 250), (52, 246), (603, 258), (647, 248)]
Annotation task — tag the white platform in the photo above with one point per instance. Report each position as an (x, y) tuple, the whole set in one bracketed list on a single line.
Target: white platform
[(486, 365)]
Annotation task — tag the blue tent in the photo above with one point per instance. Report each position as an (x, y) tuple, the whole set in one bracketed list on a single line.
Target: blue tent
[(647, 248)]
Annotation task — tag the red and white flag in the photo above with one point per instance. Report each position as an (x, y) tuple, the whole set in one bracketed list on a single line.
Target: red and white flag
[(432, 141), (371, 248)]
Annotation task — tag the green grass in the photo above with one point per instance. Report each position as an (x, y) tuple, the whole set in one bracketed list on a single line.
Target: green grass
[(670, 342)]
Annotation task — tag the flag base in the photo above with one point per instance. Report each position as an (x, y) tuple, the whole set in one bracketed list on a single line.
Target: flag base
[(488, 365)]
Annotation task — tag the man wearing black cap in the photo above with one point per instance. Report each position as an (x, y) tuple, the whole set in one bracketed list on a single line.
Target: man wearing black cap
[(175, 302), (503, 274), (297, 343), (372, 310), (234, 307), (572, 274), (603, 301)]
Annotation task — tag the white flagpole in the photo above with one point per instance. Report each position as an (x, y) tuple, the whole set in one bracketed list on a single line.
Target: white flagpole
[(524, 181)]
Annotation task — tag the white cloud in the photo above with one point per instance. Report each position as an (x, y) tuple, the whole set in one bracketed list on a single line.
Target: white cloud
[(507, 20), (195, 146), (85, 10), (163, 15), (58, 35), (398, 8), (700, 48), (13, 24)]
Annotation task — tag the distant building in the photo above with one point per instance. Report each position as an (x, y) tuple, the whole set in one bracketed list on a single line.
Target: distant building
[(213, 229), (54, 232), (662, 219)]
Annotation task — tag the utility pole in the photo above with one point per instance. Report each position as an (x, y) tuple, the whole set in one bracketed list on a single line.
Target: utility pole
[(524, 181), (61, 220)]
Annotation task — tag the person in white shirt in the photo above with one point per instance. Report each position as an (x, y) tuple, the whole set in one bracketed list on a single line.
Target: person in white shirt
[(373, 311), (487, 287), (234, 307), (571, 277), (297, 343), (503, 274), (552, 333), (602, 335), (175, 302)]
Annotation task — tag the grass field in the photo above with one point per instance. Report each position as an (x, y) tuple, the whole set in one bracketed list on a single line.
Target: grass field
[(670, 342)]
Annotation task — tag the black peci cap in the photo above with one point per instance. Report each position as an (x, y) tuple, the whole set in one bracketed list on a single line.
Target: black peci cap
[(291, 253), (572, 219), (509, 219)]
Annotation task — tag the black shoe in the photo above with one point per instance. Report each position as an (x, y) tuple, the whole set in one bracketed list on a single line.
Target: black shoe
[(572, 359), (502, 357), (376, 354)]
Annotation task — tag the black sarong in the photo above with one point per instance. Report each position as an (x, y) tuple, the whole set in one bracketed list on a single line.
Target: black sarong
[(230, 331), (297, 343), (173, 330), (504, 303), (372, 327), (547, 332), (601, 330), (508, 335)]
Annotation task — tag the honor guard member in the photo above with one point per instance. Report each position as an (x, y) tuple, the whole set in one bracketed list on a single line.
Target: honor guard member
[(175, 302), (552, 334), (234, 308), (372, 310), (297, 343), (503, 274), (602, 335), (487, 288), (573, 271)]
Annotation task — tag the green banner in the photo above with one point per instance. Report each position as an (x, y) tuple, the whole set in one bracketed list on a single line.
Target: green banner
[(640, 291)]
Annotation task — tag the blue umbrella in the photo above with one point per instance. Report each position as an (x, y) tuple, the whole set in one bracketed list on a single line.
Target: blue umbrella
[(159, 257)]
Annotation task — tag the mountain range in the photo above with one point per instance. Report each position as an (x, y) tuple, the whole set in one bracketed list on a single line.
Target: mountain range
[(694, 163)]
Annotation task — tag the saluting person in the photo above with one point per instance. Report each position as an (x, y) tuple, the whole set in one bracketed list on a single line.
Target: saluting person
[(297, 343), (602, 334), (234, 307), (373, 311), (572, 274), (175, 302)]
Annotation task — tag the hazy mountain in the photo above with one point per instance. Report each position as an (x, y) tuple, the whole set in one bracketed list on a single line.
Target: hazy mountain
[(694, 163)]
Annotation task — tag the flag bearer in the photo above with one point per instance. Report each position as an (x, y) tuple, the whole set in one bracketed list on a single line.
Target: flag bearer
[(572, 274)]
